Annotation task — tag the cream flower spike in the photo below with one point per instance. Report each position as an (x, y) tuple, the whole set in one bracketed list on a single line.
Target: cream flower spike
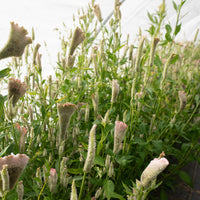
[(16, 43)]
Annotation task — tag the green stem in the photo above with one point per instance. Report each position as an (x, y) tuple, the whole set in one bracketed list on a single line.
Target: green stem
[(42, 190), (82, 185)]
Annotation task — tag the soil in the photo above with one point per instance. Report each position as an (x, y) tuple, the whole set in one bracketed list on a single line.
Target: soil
[(182, 190)]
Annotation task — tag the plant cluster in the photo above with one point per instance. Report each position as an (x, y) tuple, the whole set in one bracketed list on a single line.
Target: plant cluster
[(101, 126)]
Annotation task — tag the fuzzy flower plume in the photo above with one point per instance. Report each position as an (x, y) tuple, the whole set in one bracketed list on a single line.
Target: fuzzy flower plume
[(119, 133), (65, 112), (78, 38), (97, 12), (183, 99), (23, 132), (155, 167), (53, 180), (20, 190), (74, 195), (16, 43), (91, 150), (15, 166), (115, 91), (5, 179), (16, 90)]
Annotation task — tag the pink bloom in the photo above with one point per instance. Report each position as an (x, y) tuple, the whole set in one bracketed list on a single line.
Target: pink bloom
[(53, 180), (119, 133), (16, 165), (23, 132), (155, 167)]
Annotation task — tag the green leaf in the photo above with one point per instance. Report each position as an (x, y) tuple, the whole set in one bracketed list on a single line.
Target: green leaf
[(168, 28), (4, 72), (117, 196), (43, 111), (182, 3), (168, 37), (2, 99), (152, 30), (75, 171), (4, 150), (157, 61), (99, 161), (150, 17), (174, 59), (185, 147), (127, 189), (163, 195), (186, 178), (124, 160), (109, 189), (177, 29), (174, 5), (197, 99)]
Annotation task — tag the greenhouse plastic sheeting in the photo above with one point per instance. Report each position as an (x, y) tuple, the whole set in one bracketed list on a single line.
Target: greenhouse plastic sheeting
[(45, 15)]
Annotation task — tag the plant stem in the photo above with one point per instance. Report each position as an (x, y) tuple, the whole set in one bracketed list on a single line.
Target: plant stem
[(82, 185), (42, 189)]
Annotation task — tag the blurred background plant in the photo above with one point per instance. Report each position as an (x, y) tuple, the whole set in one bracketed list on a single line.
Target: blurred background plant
[(142, 98)]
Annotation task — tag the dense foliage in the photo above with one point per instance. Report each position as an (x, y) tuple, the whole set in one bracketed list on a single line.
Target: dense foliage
[(150, 85)]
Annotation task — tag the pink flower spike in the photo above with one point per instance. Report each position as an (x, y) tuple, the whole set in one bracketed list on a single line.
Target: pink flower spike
[(53, 172), (119, 133), (155, 167), (16, 165), (53, 180)]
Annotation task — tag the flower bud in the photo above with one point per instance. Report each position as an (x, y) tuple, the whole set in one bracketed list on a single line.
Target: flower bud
[(74, 195), (23, 133), (115, 91), (78, 38), (111, 170), (98, 193), (35, 52), (182, 99), (91, 150), (152, 51), (5, 179), (97, 12), (39, 176), (87, 113), (95, 102), (107, 161), (105, 120), (119, 133), (44, 169), (53, 180), (20, 190), (30, 112), (61, 148)]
